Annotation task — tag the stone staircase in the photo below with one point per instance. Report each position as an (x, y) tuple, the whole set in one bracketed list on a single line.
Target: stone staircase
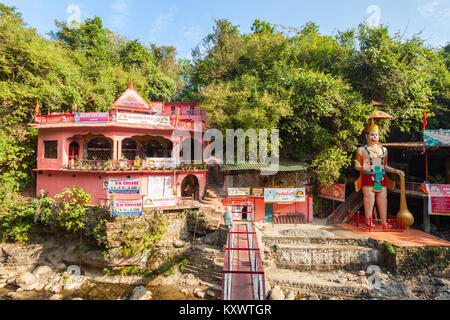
[(321, 253), (211, 202)]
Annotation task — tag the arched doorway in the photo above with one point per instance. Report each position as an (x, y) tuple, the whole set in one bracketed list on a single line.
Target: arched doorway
[(74, 150), (190, 187), (129, 148), (99, 148)]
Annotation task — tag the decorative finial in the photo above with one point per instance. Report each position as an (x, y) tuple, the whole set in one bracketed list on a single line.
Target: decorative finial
[(130, 86)]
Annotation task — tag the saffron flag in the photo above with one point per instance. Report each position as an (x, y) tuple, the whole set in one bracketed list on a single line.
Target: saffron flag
[(178, 117), (37, 108)]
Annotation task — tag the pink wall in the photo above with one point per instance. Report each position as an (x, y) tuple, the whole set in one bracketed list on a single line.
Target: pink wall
[(54, 182), (65, 136)]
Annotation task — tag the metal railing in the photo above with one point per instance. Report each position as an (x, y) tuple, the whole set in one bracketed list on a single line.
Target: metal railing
[(390, 224), (256, 271)]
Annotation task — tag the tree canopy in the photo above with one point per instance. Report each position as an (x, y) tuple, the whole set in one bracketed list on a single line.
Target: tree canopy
[(315, 88)]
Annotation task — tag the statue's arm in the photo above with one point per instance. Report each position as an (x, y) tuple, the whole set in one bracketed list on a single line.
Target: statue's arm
[(359, 161)]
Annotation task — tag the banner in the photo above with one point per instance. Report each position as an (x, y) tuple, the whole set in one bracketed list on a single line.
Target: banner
[(126, 208), (92, 117), (258, 192), (142, 119), (123, 186), (160, 202), (438, 199), (284, 195), (161, 162), (335, 192), (159, 187), (238, 192)]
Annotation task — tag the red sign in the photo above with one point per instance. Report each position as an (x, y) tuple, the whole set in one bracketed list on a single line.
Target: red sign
[(335, 192), (438, 199)]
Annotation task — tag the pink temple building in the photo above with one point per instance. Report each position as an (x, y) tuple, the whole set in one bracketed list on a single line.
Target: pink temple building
[(90, 149)]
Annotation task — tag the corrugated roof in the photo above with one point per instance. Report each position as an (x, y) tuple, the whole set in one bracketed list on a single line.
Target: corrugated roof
[(283, 166)]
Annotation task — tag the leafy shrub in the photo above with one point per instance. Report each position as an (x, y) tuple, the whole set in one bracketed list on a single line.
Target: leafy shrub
[(73, 206)]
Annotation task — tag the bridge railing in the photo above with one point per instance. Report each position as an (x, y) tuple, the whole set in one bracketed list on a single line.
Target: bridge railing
[(255, 271)]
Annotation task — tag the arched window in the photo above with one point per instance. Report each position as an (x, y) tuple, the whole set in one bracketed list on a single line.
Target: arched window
[(99, 148), (129, 148)]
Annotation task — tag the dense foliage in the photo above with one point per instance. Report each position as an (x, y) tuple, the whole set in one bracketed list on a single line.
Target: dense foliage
[(318, 89)]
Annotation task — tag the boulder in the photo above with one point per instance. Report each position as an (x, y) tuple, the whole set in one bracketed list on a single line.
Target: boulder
[(178, 244), (56, 296), (140, 293), (211, 238), (276, 294), (42, 270), (27, 281), (290, 295)]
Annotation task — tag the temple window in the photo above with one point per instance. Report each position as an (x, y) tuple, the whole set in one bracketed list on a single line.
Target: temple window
[(51, 149), (129, 148), (99, 149)]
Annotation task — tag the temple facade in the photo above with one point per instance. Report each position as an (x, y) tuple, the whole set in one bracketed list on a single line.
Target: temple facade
[(134, 141)]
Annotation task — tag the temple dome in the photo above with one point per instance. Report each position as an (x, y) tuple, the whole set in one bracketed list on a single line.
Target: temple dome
[(131, 100)]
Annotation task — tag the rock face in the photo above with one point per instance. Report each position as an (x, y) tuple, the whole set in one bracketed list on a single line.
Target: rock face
[(140, 293), (27, 281), (203, 224)]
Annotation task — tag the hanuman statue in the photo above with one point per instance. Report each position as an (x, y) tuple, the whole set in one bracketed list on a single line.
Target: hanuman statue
[(372, 162)]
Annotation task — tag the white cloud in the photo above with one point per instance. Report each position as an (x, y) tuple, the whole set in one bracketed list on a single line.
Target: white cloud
[(120, 16), (160, 24), (428, 9)]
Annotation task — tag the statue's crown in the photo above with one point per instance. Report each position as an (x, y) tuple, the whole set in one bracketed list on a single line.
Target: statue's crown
[(372, 126)]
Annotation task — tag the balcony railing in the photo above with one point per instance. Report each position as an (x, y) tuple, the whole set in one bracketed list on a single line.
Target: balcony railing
[(126, 165)]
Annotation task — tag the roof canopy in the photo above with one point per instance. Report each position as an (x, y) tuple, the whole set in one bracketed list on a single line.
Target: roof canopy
[(284, 166), (130, 99)]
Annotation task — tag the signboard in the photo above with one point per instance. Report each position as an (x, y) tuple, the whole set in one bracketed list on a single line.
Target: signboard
[(438, 199), (334, 192), (126, 208), (142, 119), (272, 195), (258, 192), (160, 202), (161, 162), (439, 137), (92, 117), (159, 187), (124, 186), (238, 192)]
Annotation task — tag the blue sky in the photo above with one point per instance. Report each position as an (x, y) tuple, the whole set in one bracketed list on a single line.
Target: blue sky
[(184, 24)]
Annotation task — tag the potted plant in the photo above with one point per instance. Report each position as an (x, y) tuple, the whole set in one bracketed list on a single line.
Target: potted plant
[(137, 163), (108, 165)]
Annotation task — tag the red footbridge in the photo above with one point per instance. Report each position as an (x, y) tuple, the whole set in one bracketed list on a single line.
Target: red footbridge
[(243, 274)]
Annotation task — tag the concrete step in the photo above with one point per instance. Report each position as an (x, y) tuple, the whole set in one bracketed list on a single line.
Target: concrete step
[(270, 241)]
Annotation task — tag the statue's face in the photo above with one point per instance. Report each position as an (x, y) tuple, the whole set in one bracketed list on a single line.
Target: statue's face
[(372, 137)]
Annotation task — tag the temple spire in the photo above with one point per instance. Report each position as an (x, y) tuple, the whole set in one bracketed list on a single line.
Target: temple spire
[(130, 86)]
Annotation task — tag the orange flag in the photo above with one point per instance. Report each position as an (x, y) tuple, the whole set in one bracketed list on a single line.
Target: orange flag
[(178, 117), (37, 108)]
